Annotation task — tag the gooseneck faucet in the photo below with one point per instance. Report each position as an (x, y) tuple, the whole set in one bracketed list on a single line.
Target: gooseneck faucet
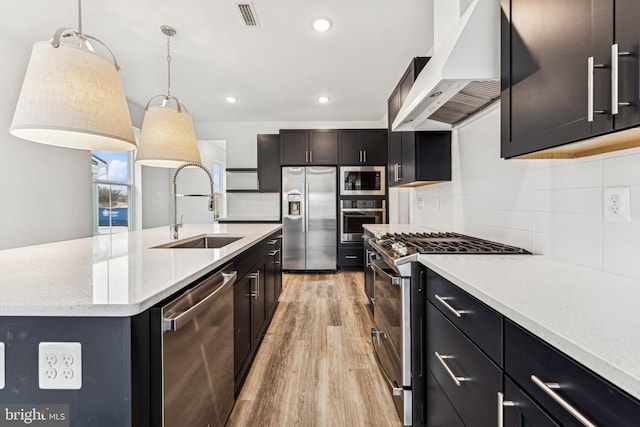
[(175, 226)]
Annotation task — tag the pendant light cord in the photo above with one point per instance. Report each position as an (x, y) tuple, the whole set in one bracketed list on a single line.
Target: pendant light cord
[(169, 66), (80, 19)]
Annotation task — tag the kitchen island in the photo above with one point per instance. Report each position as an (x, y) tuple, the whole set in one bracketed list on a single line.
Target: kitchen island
[(97, 292)]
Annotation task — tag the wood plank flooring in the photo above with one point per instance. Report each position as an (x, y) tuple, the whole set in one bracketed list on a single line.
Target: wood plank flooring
[(316, 366)]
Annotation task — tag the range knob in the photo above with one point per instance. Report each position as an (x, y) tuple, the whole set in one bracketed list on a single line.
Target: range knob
[(400, 248)]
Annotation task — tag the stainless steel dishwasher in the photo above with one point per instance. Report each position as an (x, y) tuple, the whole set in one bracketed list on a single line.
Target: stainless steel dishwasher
[(193, 333)]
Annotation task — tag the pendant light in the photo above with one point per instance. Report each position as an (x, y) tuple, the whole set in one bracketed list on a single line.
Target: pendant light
[(72, 97), (167, 138)]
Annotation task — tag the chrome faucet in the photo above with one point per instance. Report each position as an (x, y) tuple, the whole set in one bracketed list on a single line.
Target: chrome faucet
[(213, 205)]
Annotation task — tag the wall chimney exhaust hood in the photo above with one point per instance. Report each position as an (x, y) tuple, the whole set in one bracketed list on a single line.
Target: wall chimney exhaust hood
[(461, 78)]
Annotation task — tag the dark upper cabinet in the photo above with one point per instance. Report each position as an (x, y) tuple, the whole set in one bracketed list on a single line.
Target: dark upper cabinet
[(312, 147), (560, 71), (415, 158), (269, 163), (363, 147)]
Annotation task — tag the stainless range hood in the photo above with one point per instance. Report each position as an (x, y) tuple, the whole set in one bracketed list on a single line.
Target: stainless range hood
[(462, 77)]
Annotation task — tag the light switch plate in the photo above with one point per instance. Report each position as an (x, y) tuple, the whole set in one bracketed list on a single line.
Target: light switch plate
[(60, 365), (2, 369)]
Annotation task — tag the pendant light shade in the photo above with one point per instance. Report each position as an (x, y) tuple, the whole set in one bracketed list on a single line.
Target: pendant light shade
[(72, 97), (167, 138)]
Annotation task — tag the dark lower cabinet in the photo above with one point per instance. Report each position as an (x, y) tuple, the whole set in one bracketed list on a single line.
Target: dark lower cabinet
[(369, 275), (256, 294), (440, 411), (520, 411), (469, 378), (537, 367), (350, 256)]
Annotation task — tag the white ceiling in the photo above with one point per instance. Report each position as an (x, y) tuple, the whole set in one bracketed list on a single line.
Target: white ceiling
[(277, 71)]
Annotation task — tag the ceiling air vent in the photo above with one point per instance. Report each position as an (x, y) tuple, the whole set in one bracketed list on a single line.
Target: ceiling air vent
[(248, 14)]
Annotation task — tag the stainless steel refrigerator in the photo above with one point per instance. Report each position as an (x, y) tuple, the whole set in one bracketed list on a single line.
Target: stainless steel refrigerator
[(309, 218)]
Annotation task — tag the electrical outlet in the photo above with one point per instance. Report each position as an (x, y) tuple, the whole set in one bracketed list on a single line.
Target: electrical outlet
[(617, 204), (1, 365), (60, 365)]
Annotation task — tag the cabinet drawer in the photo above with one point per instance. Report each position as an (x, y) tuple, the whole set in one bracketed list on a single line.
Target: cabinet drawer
[(478, 321), (528, 358), (351, 257), (521, 410), (468, 377), (439, 409)]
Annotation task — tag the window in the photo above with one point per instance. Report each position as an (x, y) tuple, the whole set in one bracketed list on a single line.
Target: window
[(112, 184)]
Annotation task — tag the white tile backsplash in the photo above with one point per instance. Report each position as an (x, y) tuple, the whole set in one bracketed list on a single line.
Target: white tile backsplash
[(550, 207)]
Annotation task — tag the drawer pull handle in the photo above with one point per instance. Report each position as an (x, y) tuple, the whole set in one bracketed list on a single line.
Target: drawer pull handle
[(501, 405), (443, 301), (548, 389), (457, 380), (351, 257)]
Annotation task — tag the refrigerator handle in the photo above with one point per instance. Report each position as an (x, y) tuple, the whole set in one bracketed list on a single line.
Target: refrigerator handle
[(306, 208)]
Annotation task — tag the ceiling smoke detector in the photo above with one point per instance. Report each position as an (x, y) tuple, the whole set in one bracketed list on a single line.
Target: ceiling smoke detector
[(247, 13)]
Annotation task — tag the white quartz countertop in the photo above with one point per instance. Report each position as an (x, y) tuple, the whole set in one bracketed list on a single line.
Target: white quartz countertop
[(112, 275), (591, 316)]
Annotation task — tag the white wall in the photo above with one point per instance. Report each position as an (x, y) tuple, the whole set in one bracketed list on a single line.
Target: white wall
[(45, 191), (551, 207)]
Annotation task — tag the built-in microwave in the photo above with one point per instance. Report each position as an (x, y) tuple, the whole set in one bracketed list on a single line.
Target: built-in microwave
[(362, 181)]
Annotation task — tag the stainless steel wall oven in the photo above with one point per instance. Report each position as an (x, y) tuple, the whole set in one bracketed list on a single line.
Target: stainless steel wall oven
[(355, 213)]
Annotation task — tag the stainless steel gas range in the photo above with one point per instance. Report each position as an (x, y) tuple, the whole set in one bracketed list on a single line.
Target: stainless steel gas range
[(398, 338)]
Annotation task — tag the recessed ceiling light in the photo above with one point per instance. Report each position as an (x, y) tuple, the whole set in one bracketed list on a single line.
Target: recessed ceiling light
[(323, 99), (321, 24), (231, 99)]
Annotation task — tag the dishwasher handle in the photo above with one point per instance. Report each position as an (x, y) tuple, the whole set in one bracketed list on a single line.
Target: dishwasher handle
[(176, 322)]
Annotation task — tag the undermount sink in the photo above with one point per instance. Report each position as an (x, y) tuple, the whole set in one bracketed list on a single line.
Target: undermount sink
[(201, 242)]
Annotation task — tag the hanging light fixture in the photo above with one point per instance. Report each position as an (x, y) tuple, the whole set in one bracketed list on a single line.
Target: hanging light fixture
[(72, 97), (167, 138)]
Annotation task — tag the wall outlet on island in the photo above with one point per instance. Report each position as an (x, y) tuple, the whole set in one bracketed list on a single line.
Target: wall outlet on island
[(60, 365), (617, 204)]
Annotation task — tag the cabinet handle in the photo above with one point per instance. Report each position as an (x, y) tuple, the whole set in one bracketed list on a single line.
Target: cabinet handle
[(310, 156), (351, 257), (501, 405), (443, 301), (548, 389), (457, 380), (306, 156), (274, 252), (256, 292), (591, 66), (272, 242), (615, 75), (360, 156), (396, 172), (364, 155)]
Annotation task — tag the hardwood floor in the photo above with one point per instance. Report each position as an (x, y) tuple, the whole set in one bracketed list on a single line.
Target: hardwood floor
[(316, 366)]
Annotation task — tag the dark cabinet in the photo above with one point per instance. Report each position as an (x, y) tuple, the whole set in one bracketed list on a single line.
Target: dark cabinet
[(550, 377), (273, 272), (308, 147), (269, 163), (256, 294), (569, 73), (350, 256), (415, 158), (363, 147), (519, 410)]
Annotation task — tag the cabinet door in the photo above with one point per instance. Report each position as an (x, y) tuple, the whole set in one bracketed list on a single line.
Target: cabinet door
[(258, 302), (350, 142), (323, 147), (627, 36), (521, 411), (272, 275), (394, 148), (293, 147), (269, 163), (374, 147), (440, 413), (546, 46), (242, 325)]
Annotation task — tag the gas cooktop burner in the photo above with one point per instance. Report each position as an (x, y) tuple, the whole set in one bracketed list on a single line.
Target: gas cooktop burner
[(403, 244)]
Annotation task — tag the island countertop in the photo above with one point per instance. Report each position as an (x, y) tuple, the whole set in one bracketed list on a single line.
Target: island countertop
[(112, 275)]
